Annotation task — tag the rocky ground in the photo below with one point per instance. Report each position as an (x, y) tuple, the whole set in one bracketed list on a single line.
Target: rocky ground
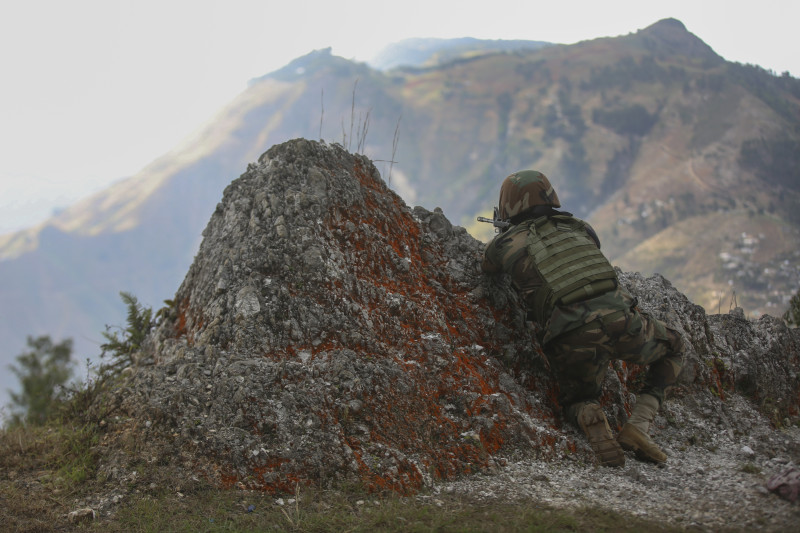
[(712, 482)]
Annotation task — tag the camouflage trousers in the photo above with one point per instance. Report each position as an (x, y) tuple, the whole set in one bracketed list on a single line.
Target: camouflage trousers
[(580, 357)]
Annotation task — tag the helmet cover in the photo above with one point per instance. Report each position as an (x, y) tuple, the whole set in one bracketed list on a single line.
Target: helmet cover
[(523, 190)]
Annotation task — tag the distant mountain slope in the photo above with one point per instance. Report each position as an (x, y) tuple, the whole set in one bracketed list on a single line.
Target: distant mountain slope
[(643, 134), (686, 165)]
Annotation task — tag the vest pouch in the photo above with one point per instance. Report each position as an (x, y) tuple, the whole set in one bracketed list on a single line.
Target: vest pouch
[(569, 263), (587, 292)]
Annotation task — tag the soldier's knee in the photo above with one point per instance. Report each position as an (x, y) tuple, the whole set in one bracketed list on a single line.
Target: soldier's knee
[(676, 349)]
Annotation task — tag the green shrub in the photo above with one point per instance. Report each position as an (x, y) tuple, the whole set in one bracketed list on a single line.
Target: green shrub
[(121, 343), (43, 372)]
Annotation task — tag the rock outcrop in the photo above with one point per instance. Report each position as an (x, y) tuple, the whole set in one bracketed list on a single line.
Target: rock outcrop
[(327, 333)]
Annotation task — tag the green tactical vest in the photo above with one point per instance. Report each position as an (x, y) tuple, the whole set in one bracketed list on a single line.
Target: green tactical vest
[(569, 262)]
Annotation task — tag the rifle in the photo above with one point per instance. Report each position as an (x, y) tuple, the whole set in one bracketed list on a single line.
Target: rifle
[(498, 224)]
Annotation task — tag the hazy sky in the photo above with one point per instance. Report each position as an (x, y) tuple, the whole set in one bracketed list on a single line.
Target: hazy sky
[(93, 90)]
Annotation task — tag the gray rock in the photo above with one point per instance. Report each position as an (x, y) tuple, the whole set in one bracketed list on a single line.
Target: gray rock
[(81, 515), (786, 484)]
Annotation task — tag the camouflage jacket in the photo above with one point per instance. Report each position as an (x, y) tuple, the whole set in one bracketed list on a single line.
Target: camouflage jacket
[(508, 253)]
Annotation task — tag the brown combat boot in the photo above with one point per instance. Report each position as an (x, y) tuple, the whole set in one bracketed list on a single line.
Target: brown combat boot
[(635, 435), (592, 421)]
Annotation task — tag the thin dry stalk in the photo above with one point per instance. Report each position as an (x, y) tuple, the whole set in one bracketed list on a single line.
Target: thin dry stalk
[(734, 303), (395, 141), (291, 522), (362, 134), (322, 110), (352, 113)]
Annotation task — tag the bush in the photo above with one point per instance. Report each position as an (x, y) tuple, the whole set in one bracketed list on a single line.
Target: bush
[(123, 343), (43, 373), (45, 369)]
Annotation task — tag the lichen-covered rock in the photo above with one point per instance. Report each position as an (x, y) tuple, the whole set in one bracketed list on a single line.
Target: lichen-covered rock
[(728, 354), (328, 332)]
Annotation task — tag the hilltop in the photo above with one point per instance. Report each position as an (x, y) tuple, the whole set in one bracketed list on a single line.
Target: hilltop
[(686, 165), (327, 333)]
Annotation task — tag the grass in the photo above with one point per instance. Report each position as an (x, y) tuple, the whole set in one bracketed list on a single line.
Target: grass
[(750, 468), (41, 469), (320, 511), (49, 471)]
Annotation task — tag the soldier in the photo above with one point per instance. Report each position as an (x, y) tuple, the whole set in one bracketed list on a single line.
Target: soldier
[(571, 290)]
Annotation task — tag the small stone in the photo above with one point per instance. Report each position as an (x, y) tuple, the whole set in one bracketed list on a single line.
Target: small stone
[(81, 515), (786, 484)]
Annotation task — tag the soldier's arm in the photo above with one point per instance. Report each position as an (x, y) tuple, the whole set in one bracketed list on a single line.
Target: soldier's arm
[(487, 265)]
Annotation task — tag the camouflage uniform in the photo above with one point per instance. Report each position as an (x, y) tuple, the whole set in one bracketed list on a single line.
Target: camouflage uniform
[(581, 337)]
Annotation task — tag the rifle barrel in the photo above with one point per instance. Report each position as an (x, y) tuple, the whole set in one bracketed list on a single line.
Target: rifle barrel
[(496, 223)]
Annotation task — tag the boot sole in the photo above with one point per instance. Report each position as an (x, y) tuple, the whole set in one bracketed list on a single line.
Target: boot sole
[(606, 449)]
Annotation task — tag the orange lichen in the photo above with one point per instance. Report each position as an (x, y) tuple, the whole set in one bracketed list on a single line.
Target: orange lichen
[(183, 306)]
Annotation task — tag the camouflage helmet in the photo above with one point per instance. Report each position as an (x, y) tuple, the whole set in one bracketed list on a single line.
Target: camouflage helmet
[(523, 190)]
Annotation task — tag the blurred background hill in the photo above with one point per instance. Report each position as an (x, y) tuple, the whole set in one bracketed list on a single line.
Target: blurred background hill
[(685, 163)]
